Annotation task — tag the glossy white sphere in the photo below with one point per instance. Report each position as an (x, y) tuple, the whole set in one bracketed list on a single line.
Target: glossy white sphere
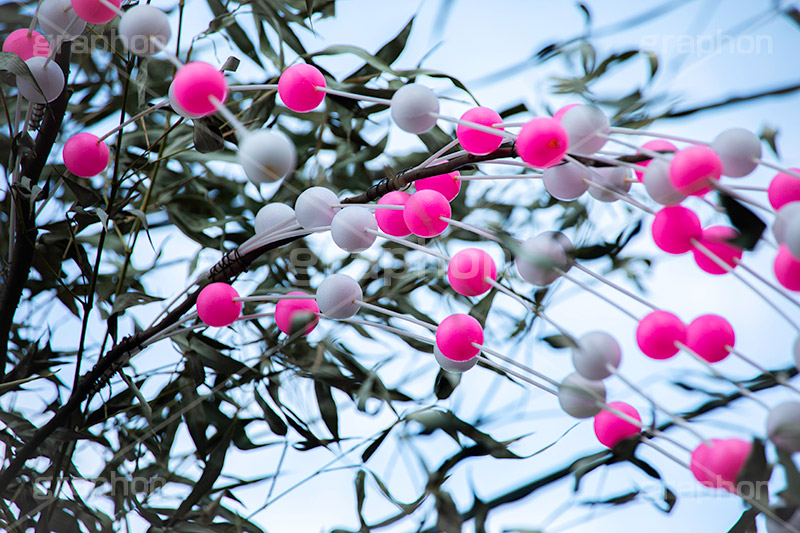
[(274, 217), (267, 156), (58, 21), (595, 353), (411, 107), (49, 76), (337, 296), (457, 367), (565, 182), (782, 218), (612, 179), (142, 24), (737, 148), (658, 185), (587, 127), (538, 257), (313, 207), (783, 426), (580, 397), (349, 229)]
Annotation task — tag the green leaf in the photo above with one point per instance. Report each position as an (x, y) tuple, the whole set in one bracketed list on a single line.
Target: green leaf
[(747, 223), (448, 518), (769, 135), (132, 299), (327, 407), (240, 38), (746, 522), (275, 422), (445, 383), (11, 62), (753, 479), (559, 341), (374, 445)]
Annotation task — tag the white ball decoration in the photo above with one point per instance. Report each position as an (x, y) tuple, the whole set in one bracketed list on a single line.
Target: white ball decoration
[(142, 24), (791, 235), (48, 75), (658, 185), (611, 179), (783, 426), (565, 182), (580, 397), (538, 257), (349, 229), (782, 218), (267, 156), (313, 207), (58, 21), (447, 364), (273, 217), (737, 148), (411, 107), (596, 351), (337, 296), (587, 127)]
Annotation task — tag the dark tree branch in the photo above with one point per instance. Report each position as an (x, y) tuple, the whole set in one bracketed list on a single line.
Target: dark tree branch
[(26, 234), (231, 265), (733, 100)]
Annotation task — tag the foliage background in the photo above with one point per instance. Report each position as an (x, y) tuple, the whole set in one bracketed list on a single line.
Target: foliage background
[(300, 405)]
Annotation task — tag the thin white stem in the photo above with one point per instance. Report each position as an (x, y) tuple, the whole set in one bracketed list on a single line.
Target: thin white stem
[(440, 152), (510, 372), (744, 392), (521, 366), (509, 163), (485, 233), (112, 7), (779, 168), (615, 286), (730, 192), (235, 122), (255, 316), (474, 125), (765, 281), (538, 312), (394, 314), (34, 18), (412, 245), (274, 297), (134, 118), (597, 293), (385, 327), (622, 196), (761, 368), (665, 453), (257, 87), (676, 419), (630, 131), (354, 96), (372, 206), (503, 177), (725, 266), (165, 332)]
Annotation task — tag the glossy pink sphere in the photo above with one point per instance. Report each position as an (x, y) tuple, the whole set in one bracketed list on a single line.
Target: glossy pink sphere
[(657, 334), (674, 228), (391, 221), (93, 12), (215, 305), (718, 465), (194, 85), (286, 308), (26, 46), (610, 429), (653, 146), (297, 87), (783, 188), (709, 336), (475, 141), (558, 115), (715, 239), (448, 185), (542, 142), (692, 169), (468, 269), (423, 211), (84, 156), (787, 268), (455, 336)]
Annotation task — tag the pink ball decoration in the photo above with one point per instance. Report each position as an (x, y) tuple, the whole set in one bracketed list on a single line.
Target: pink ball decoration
[(194, 85), (85, 155), (391, 220), (475, 141), (787, 268), (93, 12), (558, 115), (26, 46), (542, 142), (709, 336), (657, 334), (215, 305), (423, 211), (611, 429), (718, 465), (783, 188), (653, 146), (674, 228), (455, 336), (449, 185), (286, 308), (467, 271), (297, 87), (715, 239), (692, 169)]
